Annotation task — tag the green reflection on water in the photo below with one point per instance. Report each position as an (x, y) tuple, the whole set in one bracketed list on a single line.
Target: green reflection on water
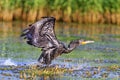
[(105, 51), (107, 39)]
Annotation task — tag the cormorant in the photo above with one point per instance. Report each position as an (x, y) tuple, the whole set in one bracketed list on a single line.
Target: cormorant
[(41, 34)]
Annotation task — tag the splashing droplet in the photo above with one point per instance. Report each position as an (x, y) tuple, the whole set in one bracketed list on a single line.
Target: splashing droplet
[(9, 62)]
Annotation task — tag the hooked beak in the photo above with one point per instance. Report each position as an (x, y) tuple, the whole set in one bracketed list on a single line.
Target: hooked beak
[(85, 42)]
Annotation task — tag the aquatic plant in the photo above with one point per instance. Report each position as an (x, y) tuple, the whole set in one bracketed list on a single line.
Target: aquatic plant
[(83, 11), (34, 70), (113, 67)]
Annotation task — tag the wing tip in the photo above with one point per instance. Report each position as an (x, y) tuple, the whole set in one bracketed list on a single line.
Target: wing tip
[(49, 17), (24, 32)]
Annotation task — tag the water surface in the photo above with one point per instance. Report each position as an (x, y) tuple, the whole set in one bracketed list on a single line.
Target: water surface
[(105, 52)]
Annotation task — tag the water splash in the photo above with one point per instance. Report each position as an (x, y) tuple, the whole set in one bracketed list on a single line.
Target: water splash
[(9, 62)]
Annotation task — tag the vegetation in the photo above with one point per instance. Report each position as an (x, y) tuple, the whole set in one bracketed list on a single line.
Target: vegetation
[(82, 11), (98, 61), (33, 72)]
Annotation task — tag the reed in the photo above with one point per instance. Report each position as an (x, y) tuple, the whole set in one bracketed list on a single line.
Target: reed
[(83, 11)]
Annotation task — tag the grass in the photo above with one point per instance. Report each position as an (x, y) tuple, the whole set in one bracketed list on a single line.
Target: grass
[(80, 11), (34, 71), (70, 6)]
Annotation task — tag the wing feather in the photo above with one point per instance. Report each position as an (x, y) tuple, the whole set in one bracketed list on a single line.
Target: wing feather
[(41, 34)]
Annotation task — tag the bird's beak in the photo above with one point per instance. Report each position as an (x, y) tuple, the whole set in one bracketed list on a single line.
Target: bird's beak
[(85, 42)]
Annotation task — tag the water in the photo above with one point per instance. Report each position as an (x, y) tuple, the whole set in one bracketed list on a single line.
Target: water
[(84, 61)]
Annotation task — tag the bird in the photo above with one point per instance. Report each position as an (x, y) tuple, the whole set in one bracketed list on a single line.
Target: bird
[(41, 34)]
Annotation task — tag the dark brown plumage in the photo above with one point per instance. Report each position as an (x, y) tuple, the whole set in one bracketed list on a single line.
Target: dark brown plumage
[(41, 34)]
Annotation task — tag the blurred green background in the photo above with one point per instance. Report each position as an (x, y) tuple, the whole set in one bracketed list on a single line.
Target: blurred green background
[(80, 11)]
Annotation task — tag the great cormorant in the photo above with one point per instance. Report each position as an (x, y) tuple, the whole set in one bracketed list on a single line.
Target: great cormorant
[(41, 34)]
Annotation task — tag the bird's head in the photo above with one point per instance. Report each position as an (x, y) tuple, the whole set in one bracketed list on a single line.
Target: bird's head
[(73, 44), (82, 42)]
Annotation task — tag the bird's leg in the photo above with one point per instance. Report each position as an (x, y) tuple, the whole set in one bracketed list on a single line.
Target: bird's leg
[(47, 59), (40, 59)]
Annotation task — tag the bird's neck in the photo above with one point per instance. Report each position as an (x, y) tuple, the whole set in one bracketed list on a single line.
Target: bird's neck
[(72, 45)]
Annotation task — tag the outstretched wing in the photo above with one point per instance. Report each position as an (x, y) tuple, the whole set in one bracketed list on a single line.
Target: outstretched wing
[(41, 34)]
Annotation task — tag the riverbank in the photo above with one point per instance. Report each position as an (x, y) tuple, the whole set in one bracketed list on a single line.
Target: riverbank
[(82, 11)]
